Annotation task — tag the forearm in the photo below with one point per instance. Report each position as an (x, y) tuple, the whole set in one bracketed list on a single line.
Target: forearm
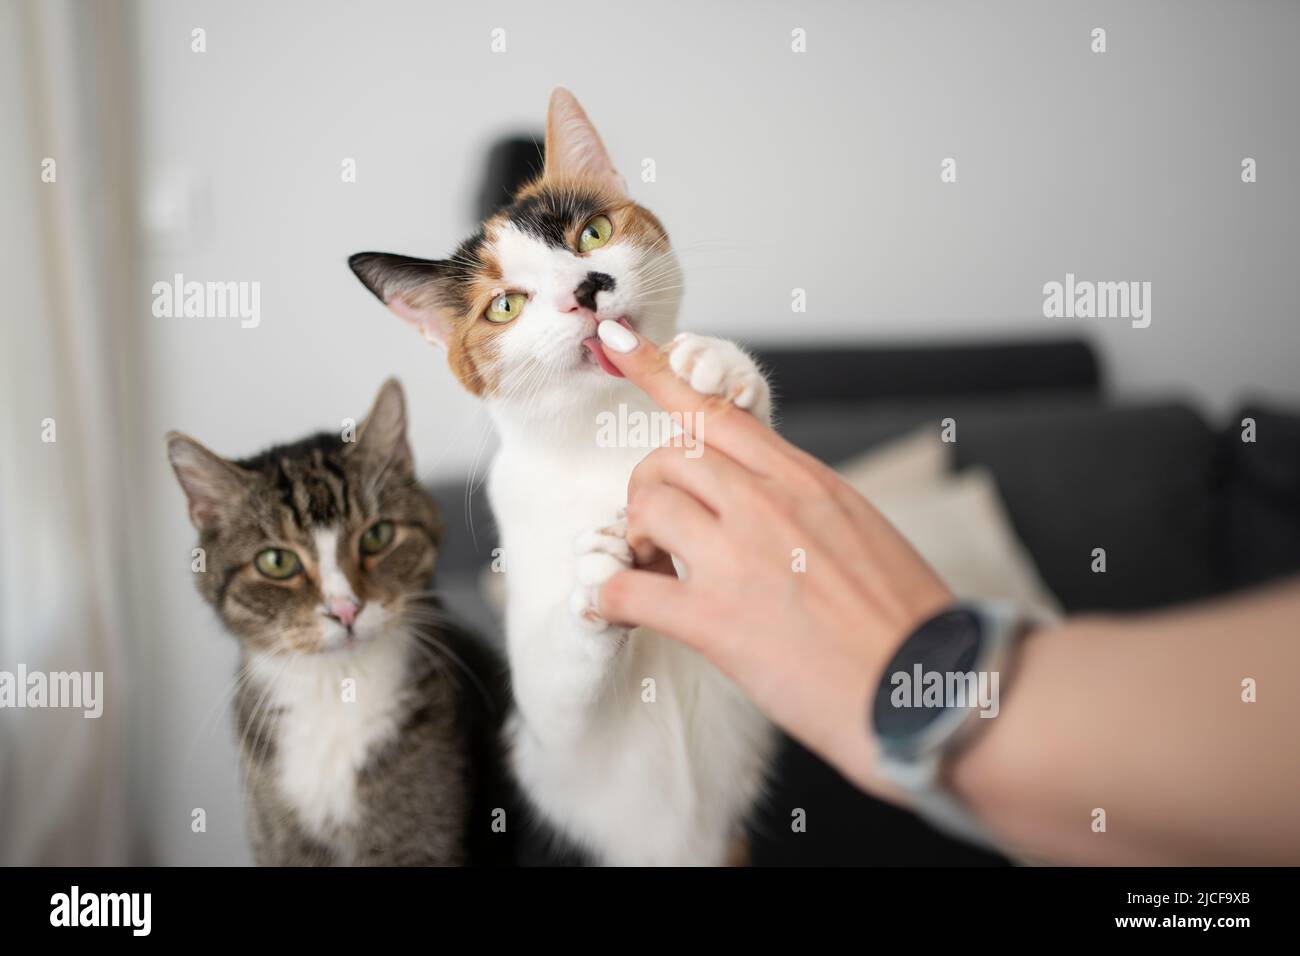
[(1143, 718)]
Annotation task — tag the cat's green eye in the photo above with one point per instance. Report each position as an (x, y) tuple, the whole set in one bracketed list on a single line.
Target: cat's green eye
[(595, 234), (377, 537), (278, 563), (506, 308)]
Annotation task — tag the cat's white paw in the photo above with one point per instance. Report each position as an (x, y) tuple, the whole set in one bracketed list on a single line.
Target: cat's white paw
[(601, 554), (718, 367)]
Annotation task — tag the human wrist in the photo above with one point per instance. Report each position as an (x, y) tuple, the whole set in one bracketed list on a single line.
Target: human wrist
[(934, 699), (878, 649), (997, 774)]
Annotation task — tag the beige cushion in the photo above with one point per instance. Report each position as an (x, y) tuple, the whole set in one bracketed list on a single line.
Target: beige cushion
[(957, 522)]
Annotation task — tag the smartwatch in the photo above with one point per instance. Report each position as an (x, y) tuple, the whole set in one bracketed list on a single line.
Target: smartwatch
[(942, 684)]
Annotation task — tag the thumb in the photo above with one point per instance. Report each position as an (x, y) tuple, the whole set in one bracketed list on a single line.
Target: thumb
[(637, 598)]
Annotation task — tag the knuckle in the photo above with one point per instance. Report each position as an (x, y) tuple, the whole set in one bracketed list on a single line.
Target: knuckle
[(658, 460), (718, 411), (767, 499), (657, 371), (808, 478), (750, 496), (814, 467), (651, 502), (648, 470)]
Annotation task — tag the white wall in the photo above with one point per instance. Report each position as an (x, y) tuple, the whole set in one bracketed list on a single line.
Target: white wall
[(775, 171)]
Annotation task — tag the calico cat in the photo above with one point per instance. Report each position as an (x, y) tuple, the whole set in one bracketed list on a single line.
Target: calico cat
[(367, 722), (635, 778)]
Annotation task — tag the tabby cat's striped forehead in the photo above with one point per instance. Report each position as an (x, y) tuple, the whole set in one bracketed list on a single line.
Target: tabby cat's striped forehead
[(309, 481)]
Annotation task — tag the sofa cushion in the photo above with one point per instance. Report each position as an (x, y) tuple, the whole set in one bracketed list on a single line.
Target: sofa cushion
[(956, 521), (1259, 526), (1076, 474), (846, 373)]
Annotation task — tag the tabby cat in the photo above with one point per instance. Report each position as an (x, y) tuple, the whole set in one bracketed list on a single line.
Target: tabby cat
[(367, 722)]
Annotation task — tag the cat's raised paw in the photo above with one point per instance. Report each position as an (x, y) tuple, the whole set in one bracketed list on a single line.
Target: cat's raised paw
[(601, 554), (717, 367)]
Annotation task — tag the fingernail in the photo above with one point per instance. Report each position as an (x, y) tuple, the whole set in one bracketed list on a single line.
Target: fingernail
[(615, 336)]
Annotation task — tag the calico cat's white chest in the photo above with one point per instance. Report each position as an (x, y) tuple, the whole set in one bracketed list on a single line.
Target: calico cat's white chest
[(335, 712), (550, 499)]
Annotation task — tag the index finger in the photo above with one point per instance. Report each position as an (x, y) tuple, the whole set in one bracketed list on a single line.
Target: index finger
[(706, 418)]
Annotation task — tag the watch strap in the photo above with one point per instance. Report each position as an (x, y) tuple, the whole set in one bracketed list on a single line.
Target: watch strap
[(933, 803), (920, 776)]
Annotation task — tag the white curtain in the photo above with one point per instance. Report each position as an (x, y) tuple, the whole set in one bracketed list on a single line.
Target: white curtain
[(67, 248)]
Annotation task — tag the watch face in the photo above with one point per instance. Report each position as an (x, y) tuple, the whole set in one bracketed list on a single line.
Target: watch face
[(912, 696)]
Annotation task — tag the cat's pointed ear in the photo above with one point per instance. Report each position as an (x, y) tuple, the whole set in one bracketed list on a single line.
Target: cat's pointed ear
[(211, 483), (381, 436), (573, 147), (414, 289)]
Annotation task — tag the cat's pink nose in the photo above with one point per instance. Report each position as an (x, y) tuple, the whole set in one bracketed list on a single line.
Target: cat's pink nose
[(343, 610)]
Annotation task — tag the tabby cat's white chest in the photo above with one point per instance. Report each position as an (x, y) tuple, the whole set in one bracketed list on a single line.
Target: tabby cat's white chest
[(335, 712)]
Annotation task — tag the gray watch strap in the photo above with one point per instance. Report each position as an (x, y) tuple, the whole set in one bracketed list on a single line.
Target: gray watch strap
[(934, 804), (919, 774)]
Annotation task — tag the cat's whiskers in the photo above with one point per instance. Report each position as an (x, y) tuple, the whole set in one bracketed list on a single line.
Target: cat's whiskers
[(683, 258), (242, 676), (419, 622), (439, 666), (532, 376), (660, 286), (470, 481)]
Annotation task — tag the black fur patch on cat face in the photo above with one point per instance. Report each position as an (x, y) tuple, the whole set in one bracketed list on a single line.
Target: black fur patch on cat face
[(552, 214)]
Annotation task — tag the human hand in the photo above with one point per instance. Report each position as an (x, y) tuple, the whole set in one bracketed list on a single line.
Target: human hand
[(794, 585)]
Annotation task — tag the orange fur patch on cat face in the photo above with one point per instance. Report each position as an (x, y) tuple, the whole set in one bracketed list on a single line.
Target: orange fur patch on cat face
[(471, 346)]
